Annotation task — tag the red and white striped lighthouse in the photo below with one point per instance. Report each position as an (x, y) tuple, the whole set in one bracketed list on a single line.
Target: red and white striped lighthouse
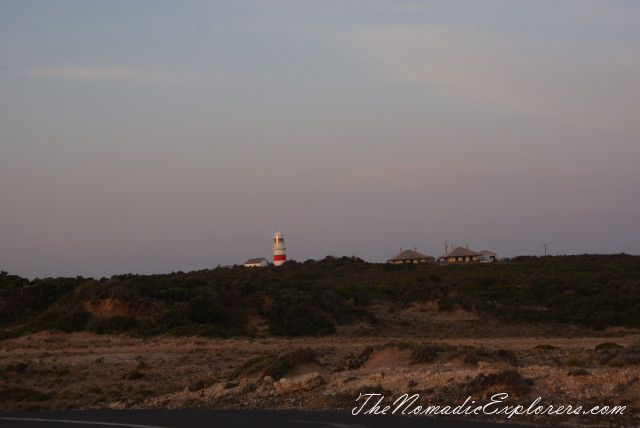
[(279, 249)]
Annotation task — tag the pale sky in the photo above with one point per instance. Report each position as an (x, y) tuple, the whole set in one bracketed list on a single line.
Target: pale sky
[(157, 136)]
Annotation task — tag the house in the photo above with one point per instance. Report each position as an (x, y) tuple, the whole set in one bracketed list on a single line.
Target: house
[(487, 256), (460, 255), (408, 256), (259, 262)]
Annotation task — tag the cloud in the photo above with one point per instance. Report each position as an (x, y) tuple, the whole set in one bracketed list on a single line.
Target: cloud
[(124, 75), (522, 74)]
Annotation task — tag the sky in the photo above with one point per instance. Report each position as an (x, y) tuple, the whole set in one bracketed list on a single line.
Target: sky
[(154, 136)]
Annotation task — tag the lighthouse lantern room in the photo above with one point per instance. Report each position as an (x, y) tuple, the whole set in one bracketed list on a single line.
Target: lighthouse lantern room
[(279, 249)]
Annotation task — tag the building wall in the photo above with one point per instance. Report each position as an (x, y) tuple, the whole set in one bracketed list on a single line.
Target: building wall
[(462, 259), (408, 261)]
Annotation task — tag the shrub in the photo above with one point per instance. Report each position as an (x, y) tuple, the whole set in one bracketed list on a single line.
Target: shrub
[(428, 352), (251, 362), (472, 355), (297, 314), (577, 372), (134, 375), (620, 357), (16, 368), (63, 321), (607, 345), (206, 310), (22, 394), (9, 334), (202, 384), (114, 325), (277, 369), (299, 356), (275, 366), (510, 381), (356, 362), (617, 356), (575, 360), (545, 347)]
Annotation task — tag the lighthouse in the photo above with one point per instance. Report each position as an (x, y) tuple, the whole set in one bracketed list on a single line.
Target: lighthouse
[(279, 249)]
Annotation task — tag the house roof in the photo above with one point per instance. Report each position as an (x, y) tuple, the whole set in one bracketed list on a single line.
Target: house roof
[(409, 255), (487, 253), (460, 252), (252, 261)]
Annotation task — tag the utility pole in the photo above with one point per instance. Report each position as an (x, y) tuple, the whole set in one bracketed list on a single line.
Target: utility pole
[(545, 248)]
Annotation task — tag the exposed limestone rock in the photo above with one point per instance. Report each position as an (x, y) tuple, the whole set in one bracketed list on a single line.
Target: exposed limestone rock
[(305, 382)]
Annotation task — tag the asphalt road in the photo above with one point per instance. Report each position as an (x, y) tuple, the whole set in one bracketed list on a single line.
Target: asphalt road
[(201, 418)]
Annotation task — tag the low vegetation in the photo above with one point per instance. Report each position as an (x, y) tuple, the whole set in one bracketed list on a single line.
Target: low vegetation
[(315, 297), (485, 385), (274, 366)]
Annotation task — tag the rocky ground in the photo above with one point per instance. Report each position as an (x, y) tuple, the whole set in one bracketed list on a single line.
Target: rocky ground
[(443, 360)]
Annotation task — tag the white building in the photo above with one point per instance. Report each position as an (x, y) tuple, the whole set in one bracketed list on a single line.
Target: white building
[(259, 262), (487, 256)]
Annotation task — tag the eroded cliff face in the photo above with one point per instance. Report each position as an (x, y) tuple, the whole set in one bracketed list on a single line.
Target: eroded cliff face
[(110, 307)]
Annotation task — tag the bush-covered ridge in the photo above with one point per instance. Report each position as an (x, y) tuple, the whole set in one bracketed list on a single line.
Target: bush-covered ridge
[(314, 296)]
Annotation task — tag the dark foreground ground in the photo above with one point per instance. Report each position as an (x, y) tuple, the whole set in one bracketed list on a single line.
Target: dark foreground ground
[(58, 372), (197, 418)]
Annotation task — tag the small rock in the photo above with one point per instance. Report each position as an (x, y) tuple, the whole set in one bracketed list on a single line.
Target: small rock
[(376, 376), (305, 382)]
